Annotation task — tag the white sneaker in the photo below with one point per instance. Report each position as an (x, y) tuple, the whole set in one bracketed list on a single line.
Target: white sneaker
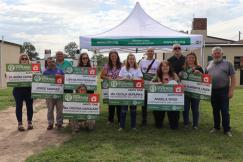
[(120, 129), (229, 134), (213, 130), (195, 128)]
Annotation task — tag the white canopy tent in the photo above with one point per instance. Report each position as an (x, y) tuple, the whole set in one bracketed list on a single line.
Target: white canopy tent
[(140, 30)]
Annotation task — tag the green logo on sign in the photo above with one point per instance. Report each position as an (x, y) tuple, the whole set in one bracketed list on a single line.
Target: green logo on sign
[(153, 88), (68, 97), (11, 67), (114, 84), (37, 78), (69, 70)]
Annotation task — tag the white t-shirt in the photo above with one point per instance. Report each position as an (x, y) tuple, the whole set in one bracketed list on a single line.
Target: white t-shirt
[(145, 63), (131, 73)]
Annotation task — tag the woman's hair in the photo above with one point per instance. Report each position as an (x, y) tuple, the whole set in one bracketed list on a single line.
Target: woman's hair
[(128, 65), (118, 62), (160, 72), (81, 86), (24, 54), (192, 54), (80, 61)]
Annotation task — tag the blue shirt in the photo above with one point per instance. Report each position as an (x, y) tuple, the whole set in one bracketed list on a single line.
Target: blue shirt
[(53, 72)]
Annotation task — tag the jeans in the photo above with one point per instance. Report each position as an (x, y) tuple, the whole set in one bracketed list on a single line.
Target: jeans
[(194, 105), (124, 110), (111, 112), (220, 104), (21, 95)]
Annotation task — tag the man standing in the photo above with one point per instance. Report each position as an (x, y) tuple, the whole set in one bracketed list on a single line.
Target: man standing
[(51, 102), (176, 61), (60, 62), (149, 68), (223, 85)]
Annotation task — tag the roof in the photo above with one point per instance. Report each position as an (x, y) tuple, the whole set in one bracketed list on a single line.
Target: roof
[(11, 43)]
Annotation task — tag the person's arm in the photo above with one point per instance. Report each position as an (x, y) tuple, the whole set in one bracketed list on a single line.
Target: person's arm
[(232, 86)]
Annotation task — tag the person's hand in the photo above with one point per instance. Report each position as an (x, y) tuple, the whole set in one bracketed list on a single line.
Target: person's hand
[(230, 93)]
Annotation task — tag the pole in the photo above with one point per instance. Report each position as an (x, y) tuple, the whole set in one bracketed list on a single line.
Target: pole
[(1, 65), (239, 35)]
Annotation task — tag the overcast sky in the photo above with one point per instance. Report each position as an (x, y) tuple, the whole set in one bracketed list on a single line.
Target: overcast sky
[(51, 24)]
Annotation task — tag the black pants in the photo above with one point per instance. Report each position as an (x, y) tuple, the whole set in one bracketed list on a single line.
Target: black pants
[(111, 112), (21, 95), (144, 108), (173, 117), (159, 118)]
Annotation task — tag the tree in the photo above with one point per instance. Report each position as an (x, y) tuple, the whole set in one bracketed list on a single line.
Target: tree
[(71, 48), (101, 61), (30, 50)]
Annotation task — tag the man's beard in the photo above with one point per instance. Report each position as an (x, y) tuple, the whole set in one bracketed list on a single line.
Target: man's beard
[(217, 59)]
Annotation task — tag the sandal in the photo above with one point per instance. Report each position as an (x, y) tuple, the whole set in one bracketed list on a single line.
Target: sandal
[(21, 128)]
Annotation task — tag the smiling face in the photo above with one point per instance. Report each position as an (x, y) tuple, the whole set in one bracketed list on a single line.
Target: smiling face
[(150, 53), (82, 89), (190, 59), (51, 64), (131, 61), (84, 59), (60, 56), (165, 68), (113, 58), (217, 55), (177, 50)]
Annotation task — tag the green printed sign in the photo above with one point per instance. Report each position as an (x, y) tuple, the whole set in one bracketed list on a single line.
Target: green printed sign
[(81, 106), (197, 86), (140, 41), (105, 91), (126, 92), (20, 75), (166, 97), (147, 79), (47, 86), (74, 76)]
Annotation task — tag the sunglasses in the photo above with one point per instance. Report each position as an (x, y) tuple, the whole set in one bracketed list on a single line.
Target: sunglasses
[(85, 58), (24, 58), (177, 48)]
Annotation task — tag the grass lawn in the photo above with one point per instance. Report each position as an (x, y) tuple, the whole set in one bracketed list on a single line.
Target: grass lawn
[(151, 144), (6, 98)]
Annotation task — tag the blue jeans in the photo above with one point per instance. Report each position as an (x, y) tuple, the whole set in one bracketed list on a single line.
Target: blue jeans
[(123, 112), (220, 104), (194, 105), (22, 94)]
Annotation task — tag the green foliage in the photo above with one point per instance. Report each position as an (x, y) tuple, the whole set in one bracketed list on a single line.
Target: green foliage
[(29, 49), (101, 61), (6, 98), (151, 144), (71, 49)]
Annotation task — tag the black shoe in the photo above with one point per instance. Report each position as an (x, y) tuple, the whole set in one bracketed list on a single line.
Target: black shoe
[(144, 123), (50, 127)]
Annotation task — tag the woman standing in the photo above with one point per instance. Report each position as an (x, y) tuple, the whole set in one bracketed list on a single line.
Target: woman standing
[(129, 72), (191, 66), (165, 75), (111, 72), (22, 94)]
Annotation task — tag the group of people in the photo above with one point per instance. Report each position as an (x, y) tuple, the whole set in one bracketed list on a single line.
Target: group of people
[(150, 70)]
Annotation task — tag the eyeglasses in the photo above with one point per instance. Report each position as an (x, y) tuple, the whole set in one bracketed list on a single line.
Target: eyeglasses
[(177, 48), (24, 58), (85, 58)]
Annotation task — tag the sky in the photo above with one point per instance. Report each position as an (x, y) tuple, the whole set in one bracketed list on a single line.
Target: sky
[(52, 24)]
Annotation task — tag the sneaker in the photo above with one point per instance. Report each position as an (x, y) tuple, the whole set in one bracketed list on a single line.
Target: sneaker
[(120, 129), (21, 128), (30, 126), (213, 130), (50, 127), (108, 123), (195, 128), (229, 134), (144, 123), (134, 129), (186, 126), (59, 126)]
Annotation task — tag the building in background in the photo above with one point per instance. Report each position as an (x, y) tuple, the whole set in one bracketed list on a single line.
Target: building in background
[(9, 53)]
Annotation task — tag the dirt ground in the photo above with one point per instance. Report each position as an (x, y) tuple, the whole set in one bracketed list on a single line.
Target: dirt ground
[(16, 146)]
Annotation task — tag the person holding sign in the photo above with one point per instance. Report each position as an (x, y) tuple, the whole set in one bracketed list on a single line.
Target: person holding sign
[(223, 85), (130, 71), (165, 75), (111, 72), (148, 67), (50, 102), (84, 61), (177, 62), (22, 94), (191, 66), (61, 64)]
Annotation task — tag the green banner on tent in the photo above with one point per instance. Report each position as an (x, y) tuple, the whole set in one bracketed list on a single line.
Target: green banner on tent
[(20, 75), (140, 41), (81, 106), (166, 97), (126, 92), (74, 76), (47, 86), (197, 86)]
